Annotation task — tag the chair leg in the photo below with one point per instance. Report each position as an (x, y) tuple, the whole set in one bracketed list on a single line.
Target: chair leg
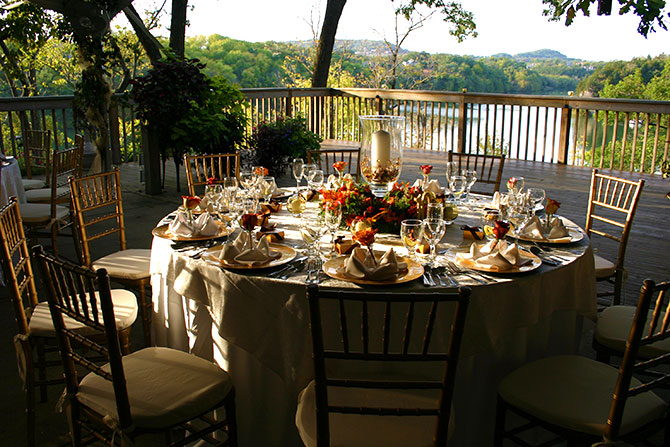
[(54, 238), (30, 410), (501, 410), (146, 310), (618, 288), (229, 405), (124, 341), (42, 370)]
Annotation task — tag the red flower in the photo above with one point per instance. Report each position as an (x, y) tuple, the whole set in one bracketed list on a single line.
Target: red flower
[(552, 206), (339, 166), (211, 180), (249, 221), (426, 169), (190, 202), (501, 228)]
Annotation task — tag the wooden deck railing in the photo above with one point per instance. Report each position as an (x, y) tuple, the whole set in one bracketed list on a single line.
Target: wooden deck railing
[(629, 135)]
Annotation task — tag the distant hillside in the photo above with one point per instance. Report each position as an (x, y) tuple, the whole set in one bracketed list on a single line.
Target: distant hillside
[(361, 47), (542, 54)]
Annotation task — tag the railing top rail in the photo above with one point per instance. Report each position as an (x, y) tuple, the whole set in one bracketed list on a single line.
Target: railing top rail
[(35, 103)]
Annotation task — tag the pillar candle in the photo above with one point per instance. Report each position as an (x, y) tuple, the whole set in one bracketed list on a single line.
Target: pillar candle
[(380, 149)]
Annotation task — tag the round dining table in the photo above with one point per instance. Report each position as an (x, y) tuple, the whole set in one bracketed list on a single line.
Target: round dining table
[(10, 182), (257, 326)]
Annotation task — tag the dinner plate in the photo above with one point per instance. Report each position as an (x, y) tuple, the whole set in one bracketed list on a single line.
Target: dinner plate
[(287, 255), (536, 263), (163, 231), (334, 267)]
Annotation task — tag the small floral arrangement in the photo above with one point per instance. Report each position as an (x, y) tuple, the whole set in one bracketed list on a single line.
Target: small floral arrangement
[(339, 166), (426, 169), (384, 214), (190, 202), (511, 183), (500, 229), (249, 221), (261, 171), (211, 181), (552, 206), (366, 237)]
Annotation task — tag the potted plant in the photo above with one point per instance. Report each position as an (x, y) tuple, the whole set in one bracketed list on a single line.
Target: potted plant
[(273, 144)]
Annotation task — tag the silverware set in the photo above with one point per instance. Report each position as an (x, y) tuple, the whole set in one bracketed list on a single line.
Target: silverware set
[(296, 266)]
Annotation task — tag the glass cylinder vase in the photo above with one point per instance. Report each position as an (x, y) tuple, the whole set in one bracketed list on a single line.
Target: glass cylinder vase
[(381, 150)]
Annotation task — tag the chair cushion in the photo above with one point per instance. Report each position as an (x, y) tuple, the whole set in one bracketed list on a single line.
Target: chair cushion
[(576, 393), (33, 183), (44, 194), (165, 387), (604, 268), (125, 311), (37, 213), (126, 264), (613, 327), (369, 431)]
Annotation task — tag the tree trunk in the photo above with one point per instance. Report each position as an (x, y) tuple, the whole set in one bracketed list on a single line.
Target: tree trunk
[(326, 42), (178, 27), (151, 46)]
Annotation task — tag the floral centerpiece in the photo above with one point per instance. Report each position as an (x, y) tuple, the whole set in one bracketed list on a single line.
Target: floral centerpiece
[(550, 209), (384, 214)]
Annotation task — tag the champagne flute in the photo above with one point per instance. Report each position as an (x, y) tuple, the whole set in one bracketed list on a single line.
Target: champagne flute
[(333, 218), (297, 168), (411, 232), (470, 179), (433, 231)]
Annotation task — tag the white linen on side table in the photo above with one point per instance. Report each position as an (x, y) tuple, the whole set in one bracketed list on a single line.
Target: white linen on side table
[(258, 328), (11, 183)]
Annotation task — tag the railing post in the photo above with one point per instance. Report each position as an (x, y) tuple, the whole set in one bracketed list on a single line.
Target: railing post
[(462, 122), (289, 103), (114, 137), (378, 99), (564, 138)]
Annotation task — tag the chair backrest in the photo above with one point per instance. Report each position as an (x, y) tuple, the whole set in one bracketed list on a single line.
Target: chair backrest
[(200, 168), (98, 209), (16, 266), (659, 329), (489, 169), (37, 151), (71, 291), (324, 159), (404, 338), (611, 208)]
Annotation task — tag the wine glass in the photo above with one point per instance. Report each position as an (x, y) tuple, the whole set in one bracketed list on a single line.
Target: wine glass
[(311, 230), (433, 230), (450, 212), (535, 197), (434, 211), (411, 232), (452, 170), (296, 204), (268, 186), (248, 179), (297, 169), (315, 179), (470, 179), (333, 218), (457, 186), (489, 218)]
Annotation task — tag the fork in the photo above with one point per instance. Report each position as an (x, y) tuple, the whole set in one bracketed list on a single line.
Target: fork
[(458, 270)]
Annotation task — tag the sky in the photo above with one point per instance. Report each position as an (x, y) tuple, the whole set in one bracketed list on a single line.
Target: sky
[(504, 26)]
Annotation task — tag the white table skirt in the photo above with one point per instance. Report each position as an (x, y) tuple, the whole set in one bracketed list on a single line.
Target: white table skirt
[(11, 183), (257, 328)]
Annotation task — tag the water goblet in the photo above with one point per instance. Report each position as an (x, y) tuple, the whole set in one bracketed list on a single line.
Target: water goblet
[(457, 186), (411, 233), (488, 220), (249, 205), (268, 186), (535, 197), (248, 179), (297, 168), (333, 218), (296, 204), (315, 179), (450, 212), (434, 211), (433, 231)]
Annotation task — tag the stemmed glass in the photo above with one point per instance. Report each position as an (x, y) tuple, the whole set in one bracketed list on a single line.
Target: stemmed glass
[(332, 218), (457, 185), (411, 232), (296, 204), (248, 180), (434, 211), (315, 179), (268, 186), (297, 169), (470, 179), (433, 231), (452, 170), (535, 197)]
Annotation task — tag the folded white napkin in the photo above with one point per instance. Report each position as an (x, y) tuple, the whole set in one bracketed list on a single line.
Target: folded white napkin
[(206, 205), (534, 229), (333, 181), (239, 253), (204, 225), (499, 200), (496, 255), (433, 186), (360, 265), (558, 229)]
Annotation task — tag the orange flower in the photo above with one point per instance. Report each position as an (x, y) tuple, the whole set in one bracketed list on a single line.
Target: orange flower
[(339, 166), (260, 170), (365, 237), (501, 228), (552, 206), (211, 180), (190, 202), (426, 169)]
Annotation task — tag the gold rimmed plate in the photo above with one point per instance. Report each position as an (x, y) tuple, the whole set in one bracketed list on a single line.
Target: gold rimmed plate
[(535, 263), (164, 232), (574, 235), (211, 255), (335, 269)]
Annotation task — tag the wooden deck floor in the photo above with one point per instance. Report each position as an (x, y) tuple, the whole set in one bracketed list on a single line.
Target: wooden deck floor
[(648, 244)]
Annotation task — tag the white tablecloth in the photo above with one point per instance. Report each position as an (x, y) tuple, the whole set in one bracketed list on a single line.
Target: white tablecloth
[(257, 328), (11, 184)]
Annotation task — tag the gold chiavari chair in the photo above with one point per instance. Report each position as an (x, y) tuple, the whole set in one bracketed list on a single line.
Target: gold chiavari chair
[(153, 390), (325, 157), (200, 168), (98, 212), (489, 169), (344, 405), (37, 156), (35, 340), (611, 209), (68, 163)]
